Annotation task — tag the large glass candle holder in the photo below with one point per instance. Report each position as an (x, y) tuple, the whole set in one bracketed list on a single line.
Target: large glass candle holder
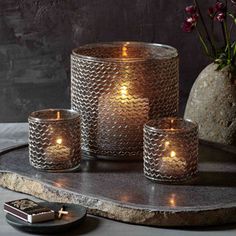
[(170, 149), (54, 139), (117, 87)]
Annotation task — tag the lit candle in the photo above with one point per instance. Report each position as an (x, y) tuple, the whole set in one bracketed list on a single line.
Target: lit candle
[(58, 153), (58, 115), (121, 116), (172, 200), (124, 51), (120, 120), (173, 165), (54, 139)]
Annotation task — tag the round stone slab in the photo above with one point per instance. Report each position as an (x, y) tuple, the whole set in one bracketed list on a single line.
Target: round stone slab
[(119, 190)]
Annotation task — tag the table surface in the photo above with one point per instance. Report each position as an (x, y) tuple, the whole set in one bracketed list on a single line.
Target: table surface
[(11, 134)]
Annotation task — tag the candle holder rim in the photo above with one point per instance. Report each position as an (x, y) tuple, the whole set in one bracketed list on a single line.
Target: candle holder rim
[(173, 54), (32, 116), (151, 125)]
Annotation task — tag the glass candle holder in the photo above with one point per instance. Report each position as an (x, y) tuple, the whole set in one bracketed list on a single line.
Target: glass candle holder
[(54, 139), (170, 149), (117, 87)]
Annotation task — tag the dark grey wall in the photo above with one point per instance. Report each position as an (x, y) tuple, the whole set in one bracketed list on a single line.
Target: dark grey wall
[(36, 38)]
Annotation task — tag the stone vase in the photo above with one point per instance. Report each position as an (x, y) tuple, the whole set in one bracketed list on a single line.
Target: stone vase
[(212, 104)]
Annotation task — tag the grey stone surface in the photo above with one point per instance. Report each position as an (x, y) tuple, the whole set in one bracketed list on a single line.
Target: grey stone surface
[(98, 226), (13, 134), (212, 104), (118, 190), (36, 38)]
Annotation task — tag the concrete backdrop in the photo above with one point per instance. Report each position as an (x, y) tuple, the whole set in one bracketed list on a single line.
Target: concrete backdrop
[(36, 38)]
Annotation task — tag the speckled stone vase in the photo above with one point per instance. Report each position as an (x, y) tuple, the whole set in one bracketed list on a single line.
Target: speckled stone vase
[(212, 104)]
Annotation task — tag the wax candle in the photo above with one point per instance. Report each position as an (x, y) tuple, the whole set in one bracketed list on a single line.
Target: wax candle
[(58, 153), (173, 165), (120, 120)]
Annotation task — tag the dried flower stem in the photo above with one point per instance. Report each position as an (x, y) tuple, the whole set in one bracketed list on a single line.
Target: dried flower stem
[(227, 41), (202, 42), (205, 28)]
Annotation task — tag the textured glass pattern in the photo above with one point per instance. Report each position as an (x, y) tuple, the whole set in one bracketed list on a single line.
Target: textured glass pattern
[(117, 88), (54, 139), (170, 149)]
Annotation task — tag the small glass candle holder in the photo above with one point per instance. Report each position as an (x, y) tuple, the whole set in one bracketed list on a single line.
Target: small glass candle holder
[(54, 139), (170, 149)]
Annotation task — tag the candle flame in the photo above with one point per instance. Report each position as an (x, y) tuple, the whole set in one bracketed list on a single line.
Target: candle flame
[(172, 153), (124, 51), (124, 91), (171, 122), (59, 141), (167, 143), (58, 115), (172, 201)]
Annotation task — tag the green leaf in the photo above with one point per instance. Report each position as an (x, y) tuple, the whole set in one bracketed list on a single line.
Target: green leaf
[(233, 17), (234, 49), (234, 54)]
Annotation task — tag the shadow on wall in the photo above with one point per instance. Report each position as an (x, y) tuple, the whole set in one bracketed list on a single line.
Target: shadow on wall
[(36, 38)]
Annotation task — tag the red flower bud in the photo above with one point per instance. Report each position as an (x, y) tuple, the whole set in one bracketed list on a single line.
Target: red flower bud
[(220, 17), (195, 17), (191, 9), (211, 11), (189, 24), (219, 6)]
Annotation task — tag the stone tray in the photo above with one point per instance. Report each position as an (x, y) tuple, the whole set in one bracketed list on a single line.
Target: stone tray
[(119, 190)]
